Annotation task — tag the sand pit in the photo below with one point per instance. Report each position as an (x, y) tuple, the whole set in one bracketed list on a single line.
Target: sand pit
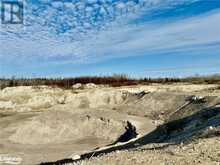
[(41, 124), (59, 127)]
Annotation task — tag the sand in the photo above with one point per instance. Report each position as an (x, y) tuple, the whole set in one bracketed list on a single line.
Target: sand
[(40, 124)]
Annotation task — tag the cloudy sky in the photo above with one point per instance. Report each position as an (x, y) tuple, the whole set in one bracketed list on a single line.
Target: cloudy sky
[(100, 37)]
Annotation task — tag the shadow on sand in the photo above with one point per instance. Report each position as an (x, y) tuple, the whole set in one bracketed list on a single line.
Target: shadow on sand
[(172, 132)]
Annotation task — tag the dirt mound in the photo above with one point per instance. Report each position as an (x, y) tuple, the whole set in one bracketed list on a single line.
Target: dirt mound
[(37, 120), (173, 132), (154, 105), (96, 98), (37, 102), (57, 127), (90, 86), (29, 98), (7, 105)]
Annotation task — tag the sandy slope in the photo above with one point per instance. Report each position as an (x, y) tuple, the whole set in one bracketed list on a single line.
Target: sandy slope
[(42, 124), (202, 151)]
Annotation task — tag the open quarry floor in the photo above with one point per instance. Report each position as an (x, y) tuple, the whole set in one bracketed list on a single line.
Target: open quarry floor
[(144, 124)]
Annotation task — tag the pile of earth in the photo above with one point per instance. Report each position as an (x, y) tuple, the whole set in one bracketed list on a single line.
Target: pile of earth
[(60, 127), (196, 120), (26, 99)]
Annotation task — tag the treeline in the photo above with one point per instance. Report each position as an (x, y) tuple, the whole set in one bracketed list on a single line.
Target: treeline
[(115, 81)]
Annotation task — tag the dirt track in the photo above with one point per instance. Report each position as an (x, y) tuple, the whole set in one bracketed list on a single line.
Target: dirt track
[(41, 124)]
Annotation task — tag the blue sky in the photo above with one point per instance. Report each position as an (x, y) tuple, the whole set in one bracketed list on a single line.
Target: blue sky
[(154, 38)]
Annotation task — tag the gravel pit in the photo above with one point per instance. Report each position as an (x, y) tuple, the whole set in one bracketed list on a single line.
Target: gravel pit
[(60, 126)]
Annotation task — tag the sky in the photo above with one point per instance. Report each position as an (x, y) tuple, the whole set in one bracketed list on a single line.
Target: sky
[(140, 38)]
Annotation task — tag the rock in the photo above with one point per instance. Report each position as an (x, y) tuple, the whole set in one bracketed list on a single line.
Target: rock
[(75, 157), (77, 86), (196, 99), (129, 134)]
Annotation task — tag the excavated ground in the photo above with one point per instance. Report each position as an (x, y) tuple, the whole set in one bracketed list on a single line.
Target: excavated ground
[(44, 124)]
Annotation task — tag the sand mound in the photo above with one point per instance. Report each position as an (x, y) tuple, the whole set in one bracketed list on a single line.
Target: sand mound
[(77, 86), (42, 97), (56, 127), (95, 98), (31, 97), (90, 86), (16, 90), (6, 105), (152, 104), (41, 102)]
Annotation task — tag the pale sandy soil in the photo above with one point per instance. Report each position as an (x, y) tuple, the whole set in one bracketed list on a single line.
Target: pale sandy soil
[(201, 151), (40, 124)]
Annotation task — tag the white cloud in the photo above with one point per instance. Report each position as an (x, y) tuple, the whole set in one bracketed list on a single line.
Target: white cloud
[(150, 38), (93, 30)]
